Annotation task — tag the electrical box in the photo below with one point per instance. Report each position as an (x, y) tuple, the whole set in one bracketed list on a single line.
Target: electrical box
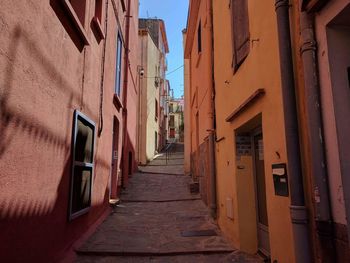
[(280, 179)]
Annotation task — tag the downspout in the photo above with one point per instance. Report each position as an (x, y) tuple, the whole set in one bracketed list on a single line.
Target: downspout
[(212, 135), (323, 215), (297, 208), (125, 94), (140, 112), (103, 62)]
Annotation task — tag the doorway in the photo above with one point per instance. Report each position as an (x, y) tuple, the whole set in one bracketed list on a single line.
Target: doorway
[(260, 192), (130, 166), (115, 157)]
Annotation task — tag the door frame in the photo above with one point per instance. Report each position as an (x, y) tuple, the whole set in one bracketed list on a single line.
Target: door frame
[(115, 142), (255, 132)]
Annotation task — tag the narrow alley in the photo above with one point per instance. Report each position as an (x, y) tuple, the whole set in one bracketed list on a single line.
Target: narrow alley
[(210, 131), (159, 220)]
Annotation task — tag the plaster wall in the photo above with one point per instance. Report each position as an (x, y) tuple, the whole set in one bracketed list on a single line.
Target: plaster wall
[(133, 91), (326, 67), (149, 123), (201, 76), (187, 120), (199, 90), (260, 70), (45, 75)]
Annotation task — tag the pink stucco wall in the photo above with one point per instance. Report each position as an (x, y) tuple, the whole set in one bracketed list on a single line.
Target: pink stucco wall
[(132, 94), (327, 100), (45, 75)]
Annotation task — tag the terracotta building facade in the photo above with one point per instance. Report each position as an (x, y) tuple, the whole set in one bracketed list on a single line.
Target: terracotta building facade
[(199, 97), (64, 95)]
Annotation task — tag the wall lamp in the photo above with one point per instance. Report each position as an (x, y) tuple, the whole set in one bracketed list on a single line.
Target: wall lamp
[(141, 71)]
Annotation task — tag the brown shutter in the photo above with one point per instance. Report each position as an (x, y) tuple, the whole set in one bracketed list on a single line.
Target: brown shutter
[(240, 31)]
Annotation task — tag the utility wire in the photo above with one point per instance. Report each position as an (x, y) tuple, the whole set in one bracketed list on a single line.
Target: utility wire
[(165, 74), (174, 70)]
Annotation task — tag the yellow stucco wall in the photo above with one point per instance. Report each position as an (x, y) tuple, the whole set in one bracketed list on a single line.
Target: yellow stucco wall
[(149, 93), (260, 70)]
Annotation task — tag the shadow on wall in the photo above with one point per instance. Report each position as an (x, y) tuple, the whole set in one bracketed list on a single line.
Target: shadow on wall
[(25, 123), (66, 22), (37, 229), (128, 166)]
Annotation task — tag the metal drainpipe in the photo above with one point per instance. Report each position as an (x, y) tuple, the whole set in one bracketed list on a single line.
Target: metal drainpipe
[(297, 208), (103, 62), (212, 135), (125, 94), (323, 216)]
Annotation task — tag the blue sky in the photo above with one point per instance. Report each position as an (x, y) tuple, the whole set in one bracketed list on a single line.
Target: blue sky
[(174, 14)]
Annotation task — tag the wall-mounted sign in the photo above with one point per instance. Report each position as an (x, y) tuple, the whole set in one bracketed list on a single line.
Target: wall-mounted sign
[(280, 179)]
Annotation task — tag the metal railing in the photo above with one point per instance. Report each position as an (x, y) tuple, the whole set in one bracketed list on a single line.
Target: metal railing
[(168, 151)]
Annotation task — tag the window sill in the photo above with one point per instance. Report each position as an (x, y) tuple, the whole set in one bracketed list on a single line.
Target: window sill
[(79, 213), (98, 27), (76, 22), (117, 102)]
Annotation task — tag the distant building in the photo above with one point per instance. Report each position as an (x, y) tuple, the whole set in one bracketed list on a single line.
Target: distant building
[(64, 118), (164, 114), (153, 85), (176, 120)]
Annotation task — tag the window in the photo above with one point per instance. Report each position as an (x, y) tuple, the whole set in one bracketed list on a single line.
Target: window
[(199, 37), (118, 65), (82, 165), (123, 5), (171, 107), (76, 9), (240, 32), (80, 9), (98, 10), (97, 20), (156, 109)]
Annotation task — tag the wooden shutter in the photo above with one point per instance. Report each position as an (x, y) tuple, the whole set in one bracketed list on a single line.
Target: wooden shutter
[(240, 32)]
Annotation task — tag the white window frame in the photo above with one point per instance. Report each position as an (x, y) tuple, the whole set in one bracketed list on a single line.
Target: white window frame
[(118, 66), (84, 118)]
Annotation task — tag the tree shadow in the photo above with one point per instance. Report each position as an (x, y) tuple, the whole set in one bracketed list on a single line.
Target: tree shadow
[(34, 225)]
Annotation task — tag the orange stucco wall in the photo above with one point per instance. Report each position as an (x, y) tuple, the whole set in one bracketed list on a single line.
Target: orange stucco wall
[(260, 70), (199, 85)]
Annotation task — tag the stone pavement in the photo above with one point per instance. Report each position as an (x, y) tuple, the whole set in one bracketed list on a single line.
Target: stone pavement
[(155, 222)]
